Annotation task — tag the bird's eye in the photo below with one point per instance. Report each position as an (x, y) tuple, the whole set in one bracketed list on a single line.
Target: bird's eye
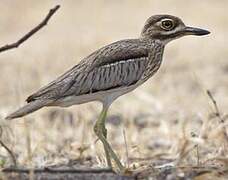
[(167, 24)]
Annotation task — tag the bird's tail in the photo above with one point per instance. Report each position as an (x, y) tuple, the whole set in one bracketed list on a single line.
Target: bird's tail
[(27, 109)]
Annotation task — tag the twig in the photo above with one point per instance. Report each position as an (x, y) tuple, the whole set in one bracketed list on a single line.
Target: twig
[(10, 153), (28, 141), (217, 112), (7, 149), (197, 155), (126, 148), (30, 33), (186, 151), (57, 170)]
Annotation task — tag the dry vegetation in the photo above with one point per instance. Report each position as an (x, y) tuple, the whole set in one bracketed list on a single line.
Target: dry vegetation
[(169, 120)]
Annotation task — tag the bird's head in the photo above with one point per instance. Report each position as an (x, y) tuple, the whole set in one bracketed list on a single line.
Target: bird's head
[(167, 28)]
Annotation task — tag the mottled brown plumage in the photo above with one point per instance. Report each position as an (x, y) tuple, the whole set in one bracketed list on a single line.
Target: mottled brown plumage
[(110, 72)]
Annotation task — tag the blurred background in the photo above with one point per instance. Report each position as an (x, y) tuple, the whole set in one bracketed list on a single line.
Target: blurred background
[(167, 116)]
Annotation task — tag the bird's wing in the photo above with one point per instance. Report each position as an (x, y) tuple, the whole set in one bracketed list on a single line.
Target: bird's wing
[(118, 64)]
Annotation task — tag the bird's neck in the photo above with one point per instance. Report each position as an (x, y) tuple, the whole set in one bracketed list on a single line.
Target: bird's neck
[(154, 59)]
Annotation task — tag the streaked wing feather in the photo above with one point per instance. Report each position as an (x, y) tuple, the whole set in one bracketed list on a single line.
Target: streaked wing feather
[(117, 64)]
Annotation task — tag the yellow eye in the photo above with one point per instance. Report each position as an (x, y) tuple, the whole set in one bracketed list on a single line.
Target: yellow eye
[(167, 24)]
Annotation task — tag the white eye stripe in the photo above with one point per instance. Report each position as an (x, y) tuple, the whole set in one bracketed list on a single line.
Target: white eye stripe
[(166, 19)]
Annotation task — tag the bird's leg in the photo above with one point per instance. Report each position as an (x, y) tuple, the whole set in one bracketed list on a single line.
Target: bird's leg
[(102, 119), (101, 132)]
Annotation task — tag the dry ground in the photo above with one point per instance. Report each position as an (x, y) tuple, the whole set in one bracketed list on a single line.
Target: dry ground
[(168, 119)]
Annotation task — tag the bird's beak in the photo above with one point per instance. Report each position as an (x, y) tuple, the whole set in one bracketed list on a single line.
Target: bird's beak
[(195, 31)]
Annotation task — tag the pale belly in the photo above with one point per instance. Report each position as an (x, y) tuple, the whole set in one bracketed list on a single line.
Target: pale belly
[(106, 97)]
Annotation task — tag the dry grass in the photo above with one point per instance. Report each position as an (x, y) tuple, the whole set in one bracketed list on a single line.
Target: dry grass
[(169, 119)]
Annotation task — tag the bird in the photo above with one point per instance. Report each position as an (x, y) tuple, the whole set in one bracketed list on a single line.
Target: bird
[(110, 72)]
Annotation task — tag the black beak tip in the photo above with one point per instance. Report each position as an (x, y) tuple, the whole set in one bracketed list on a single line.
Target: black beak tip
[(203, 32)]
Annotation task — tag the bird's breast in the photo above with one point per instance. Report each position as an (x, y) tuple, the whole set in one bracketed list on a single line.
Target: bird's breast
[(154, 62)]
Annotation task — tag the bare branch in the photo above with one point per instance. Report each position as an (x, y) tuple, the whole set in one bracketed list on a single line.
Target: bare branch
[(62, 173), (126, 148), (217, 112), (7, 149), (58, 170), (30, 33)]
